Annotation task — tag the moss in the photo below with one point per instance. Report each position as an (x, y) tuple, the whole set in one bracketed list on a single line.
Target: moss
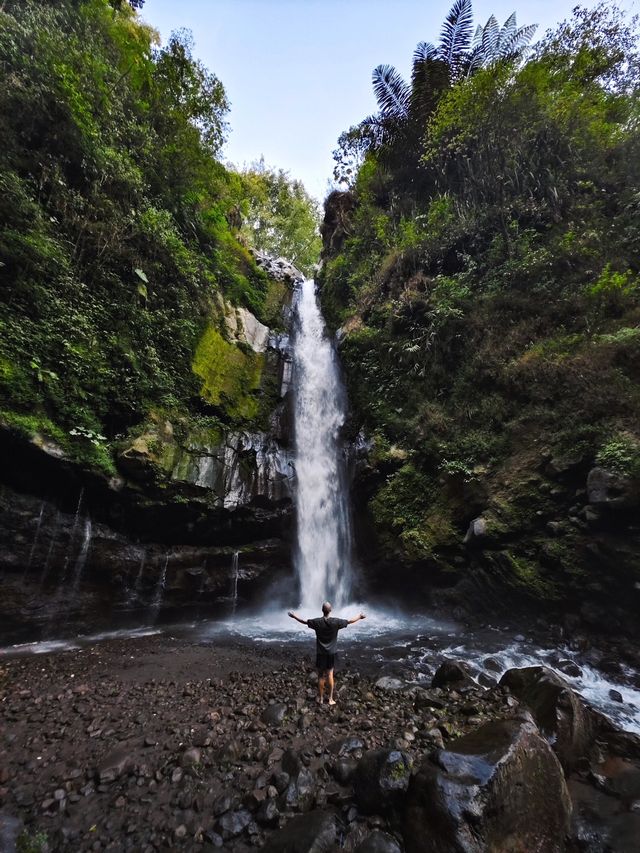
[(230, 375), (527, 576)]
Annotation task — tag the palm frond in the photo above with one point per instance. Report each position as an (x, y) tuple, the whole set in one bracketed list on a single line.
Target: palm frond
[(515, 44), (455, 37), (424, 50), (391, 91)]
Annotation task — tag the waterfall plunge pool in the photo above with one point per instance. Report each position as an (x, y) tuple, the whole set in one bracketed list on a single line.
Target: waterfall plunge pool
[(390, 642)]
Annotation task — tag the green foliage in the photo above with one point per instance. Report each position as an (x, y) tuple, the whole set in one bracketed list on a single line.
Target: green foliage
[(116, 240), (28, 843), (621, 453), (485, 276), (280, 217)]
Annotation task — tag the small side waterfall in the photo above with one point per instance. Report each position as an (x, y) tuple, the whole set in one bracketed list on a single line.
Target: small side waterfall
[(323, 558), (81, 559), (159, 593), (36, 539), (234, 582)]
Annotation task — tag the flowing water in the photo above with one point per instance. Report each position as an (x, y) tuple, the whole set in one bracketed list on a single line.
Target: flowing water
[(234, 582), (323, 553)]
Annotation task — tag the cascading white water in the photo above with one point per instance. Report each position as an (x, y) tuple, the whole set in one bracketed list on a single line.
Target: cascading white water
[(323, 559)]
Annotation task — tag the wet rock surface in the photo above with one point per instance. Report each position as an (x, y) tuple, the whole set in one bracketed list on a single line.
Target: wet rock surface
[(498, 788), (164, 744)]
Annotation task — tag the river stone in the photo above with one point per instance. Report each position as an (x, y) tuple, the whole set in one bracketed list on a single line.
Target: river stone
[(345, 746), (310, 833), (300, 794), (378, 842), (451, 672), (115, 764), (563, 717), (273, 715), (499, 788), (389, 683), (381, 778), (234, 823)]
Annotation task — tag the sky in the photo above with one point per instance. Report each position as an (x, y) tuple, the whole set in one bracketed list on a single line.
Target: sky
[(298, 72)]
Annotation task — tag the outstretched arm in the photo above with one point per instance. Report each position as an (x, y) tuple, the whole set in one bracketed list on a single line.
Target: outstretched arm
[(356, 619), (297, 618)]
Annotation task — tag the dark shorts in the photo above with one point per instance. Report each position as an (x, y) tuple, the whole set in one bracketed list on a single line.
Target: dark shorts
[(325, 662)]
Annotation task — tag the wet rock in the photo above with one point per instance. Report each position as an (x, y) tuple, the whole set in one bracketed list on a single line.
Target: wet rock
[(315, 832), (487, 681), (563, 717), (615, 696), (451, 672), (115, 764), (492, 665), (378, 842), (498, 788), (232, 824), (300, 793), (568, 667), (346, 746), (609, 489), (601, 822), (273, 715), (389, 683), (477, 532), (191, 757), (343, 770), (268, 813), (381, 778)]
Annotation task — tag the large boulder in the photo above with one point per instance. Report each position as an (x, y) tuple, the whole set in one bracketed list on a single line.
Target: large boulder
[(381, 779), (452, 672), (315, 832), (499, 788), (567, 722), (609, 489)]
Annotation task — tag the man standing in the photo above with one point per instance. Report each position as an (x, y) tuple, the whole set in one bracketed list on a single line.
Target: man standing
[(326, 628)]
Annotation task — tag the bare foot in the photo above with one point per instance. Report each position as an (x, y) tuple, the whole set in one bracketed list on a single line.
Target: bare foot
[(332, 701), (320, 700)]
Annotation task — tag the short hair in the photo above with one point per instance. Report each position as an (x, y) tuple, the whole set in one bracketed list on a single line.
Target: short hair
[(326, 608)]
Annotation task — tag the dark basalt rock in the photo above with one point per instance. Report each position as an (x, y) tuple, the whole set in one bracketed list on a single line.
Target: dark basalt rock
[(315, 832), (569, 724), (451, 672), (378, 842), (499, 788), (273, 715), (381, 779)]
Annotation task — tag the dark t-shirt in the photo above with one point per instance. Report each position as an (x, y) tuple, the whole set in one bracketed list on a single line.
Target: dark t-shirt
[(327, 633)]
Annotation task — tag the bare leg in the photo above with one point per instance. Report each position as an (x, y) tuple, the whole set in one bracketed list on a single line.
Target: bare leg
[(332, 701), (322, 676)]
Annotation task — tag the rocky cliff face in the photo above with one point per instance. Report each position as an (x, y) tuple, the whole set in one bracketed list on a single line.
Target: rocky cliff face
[(84, 547)]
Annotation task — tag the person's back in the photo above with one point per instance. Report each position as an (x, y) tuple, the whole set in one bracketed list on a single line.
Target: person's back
[(326, 628)]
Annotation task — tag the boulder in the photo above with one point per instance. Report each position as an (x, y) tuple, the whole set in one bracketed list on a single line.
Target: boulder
[(388, 683), (499, 788), (452, 672), (563, 717), (273, 715), (378, 842), (315, 832), (477, 531), (609, 489), (381, 779)]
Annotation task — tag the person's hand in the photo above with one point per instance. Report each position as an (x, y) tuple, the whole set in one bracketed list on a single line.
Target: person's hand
[(362, 616), (292, 614)]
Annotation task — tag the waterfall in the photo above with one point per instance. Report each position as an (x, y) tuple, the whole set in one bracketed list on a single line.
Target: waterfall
[(81, 559), (234, 580), (323, 558), (35, 542), (157, 598)]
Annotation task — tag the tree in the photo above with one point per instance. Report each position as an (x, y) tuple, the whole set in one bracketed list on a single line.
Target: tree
[(404, 108), (280, 217)]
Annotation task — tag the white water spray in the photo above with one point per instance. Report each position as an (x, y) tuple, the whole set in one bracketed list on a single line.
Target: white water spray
[(234, 582), (323, 559)]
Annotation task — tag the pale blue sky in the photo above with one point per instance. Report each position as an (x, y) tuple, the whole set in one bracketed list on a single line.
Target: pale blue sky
[(298, 72)]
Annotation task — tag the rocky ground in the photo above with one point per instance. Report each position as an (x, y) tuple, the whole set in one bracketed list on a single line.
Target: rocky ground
[(162, 744)]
